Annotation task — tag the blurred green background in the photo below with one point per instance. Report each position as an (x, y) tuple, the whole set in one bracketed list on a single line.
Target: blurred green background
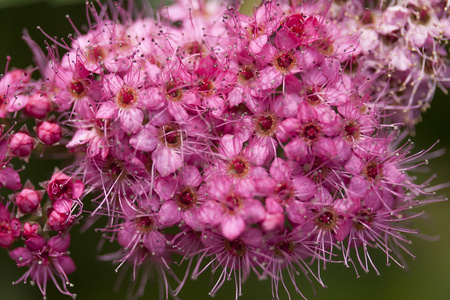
[(428, 276)]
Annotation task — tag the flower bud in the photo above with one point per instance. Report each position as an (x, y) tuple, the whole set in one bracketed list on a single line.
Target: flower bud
[(21, 144), (62, 187), (57, 221), (49, 133), (30, 230), (38, 106), (9, 228), (28, 200)]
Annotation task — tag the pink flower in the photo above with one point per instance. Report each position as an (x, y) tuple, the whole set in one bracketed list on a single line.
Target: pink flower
[(63, 187), (12, 85), (48, 132), (240, 144), (124, 96), (181, 197), (229, 209), (9, 227), (9, 177), (21, 144), (237, 257), (46, 261), (28, 199)]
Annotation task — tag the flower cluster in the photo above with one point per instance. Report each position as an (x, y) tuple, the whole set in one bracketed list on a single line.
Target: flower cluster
[(238, 144)]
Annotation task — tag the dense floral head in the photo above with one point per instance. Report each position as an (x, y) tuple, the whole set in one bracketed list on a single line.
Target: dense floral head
[(240, 144)]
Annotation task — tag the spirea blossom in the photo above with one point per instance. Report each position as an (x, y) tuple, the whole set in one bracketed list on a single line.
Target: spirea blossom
[(234, 144)]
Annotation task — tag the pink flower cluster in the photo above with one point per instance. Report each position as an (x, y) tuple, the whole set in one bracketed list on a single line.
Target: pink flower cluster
[(240, 144)]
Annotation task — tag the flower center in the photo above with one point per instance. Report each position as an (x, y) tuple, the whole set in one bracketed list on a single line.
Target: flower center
[(115, 169), (421, 15), (313, 96), (194, 48), (284, 248), (311, 132), (295, 24), (5, 227), (372, 171), (246, 73), (316, 171), (351, 130), (96, 54), (325, 46), (77, 88), (235, 248), (127, 97), (186, 198), (170, 135), (255, 29), (238, 167), (173, 93), (283, 62), (60, 187), (205, 87), (284, 192), (232, 203), (145, 224), (102, 126), (327, 219), (44, 256), (266, 124), (364, 218)]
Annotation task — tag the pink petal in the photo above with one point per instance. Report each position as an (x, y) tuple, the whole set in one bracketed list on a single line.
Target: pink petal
[(304, 187), (177, 111), (169, 214), (232, 226), (191, 218), (297, 150), (325, 147), (253, 211), (107, 110), (257, 44), (230, 146), (258, 150), (10, 179), (67, 264), (269, 79), (80, 137), (131, 120), (235, 97), (210, 213), (145, 139), (296, 212), (59, 243), (166, 160), (155, 242), (190, 176), (165, 187)]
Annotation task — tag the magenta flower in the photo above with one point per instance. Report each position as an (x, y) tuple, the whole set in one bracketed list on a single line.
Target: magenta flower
[(28, 200), (267, 144), (9, 227), (229, 209), (125, 95), (47, 260)]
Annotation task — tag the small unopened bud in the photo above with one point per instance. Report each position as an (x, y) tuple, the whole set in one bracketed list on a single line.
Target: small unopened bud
[(28, 200), (31, 230), (49, 132), (38, 106), (21, 144), (57, 221)]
